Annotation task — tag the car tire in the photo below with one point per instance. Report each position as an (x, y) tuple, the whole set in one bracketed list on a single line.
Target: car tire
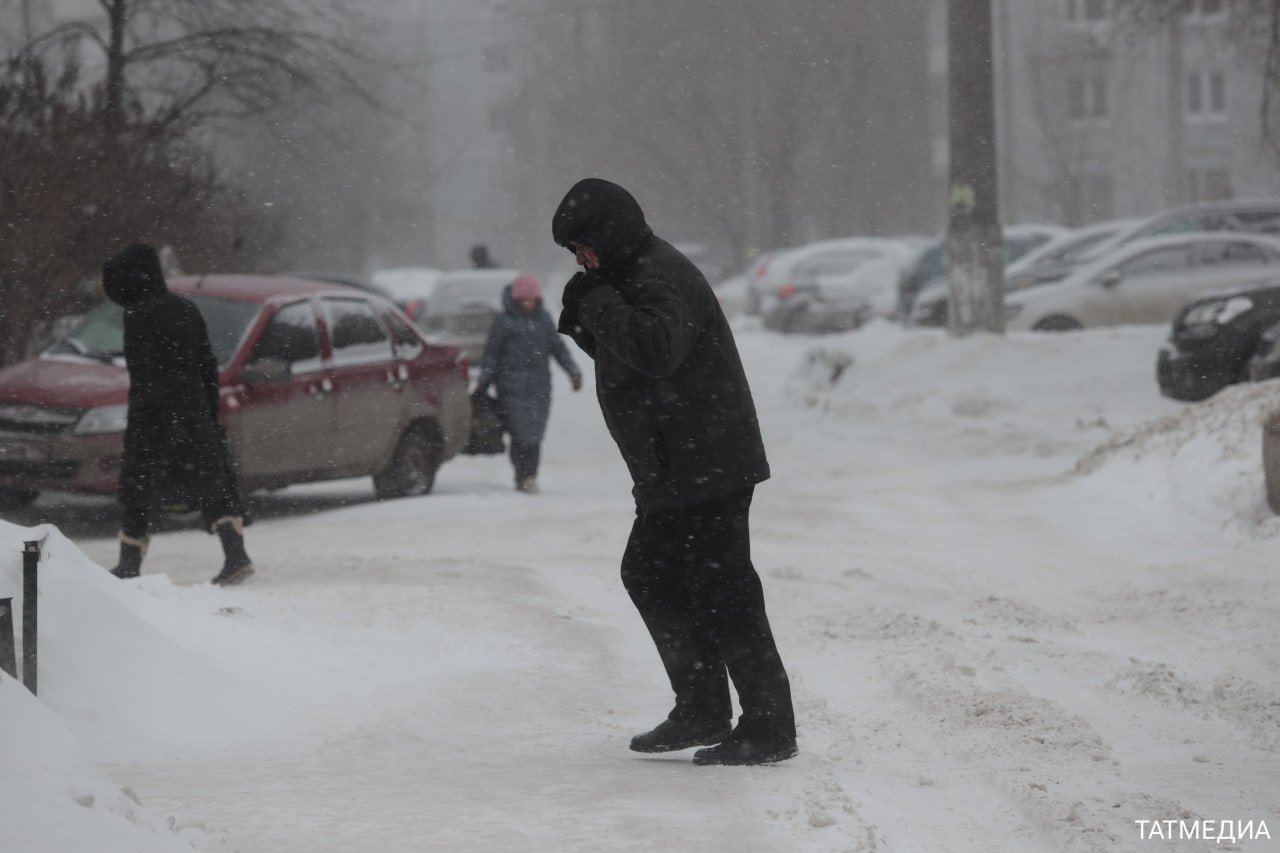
[(11, 499), (1058, 323), (413, 466)]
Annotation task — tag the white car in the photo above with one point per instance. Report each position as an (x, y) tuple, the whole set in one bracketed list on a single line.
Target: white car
[(1249, 216), (776, 271), (463, 306), (839, 301), (1143, 281)]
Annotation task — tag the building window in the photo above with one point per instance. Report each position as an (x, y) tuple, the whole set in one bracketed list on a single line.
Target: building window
[(1206, 94), (1087, 98)]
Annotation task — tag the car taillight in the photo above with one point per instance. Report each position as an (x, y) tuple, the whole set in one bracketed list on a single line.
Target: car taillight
[(412, 308), (761, 268), (464, 368), (786, 290)]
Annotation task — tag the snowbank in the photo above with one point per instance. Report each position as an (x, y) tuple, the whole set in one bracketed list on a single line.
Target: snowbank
[(1025, 602)]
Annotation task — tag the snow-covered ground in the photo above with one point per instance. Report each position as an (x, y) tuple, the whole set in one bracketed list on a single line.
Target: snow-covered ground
[(1025, 602)]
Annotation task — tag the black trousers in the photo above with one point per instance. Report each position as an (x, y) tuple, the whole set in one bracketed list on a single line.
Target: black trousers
[(689, 573), (525, 456)]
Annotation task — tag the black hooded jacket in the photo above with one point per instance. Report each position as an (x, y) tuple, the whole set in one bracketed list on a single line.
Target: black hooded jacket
[(668, 376), (174, 447)]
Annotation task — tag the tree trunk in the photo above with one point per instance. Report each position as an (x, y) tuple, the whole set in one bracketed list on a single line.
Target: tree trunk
[(974, 239), (113, 115)]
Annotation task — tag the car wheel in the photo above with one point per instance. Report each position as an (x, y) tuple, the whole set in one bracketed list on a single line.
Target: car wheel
[(413, 466), (11, 499), (1058, 323)]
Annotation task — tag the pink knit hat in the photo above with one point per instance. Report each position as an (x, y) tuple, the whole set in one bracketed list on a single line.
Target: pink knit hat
[(525, 286)]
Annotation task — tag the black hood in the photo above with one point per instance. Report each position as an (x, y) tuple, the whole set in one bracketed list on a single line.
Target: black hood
[(603, 216), (133, 275)]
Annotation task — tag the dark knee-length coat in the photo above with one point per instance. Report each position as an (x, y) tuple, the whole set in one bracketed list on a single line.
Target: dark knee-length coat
[(174, 449)]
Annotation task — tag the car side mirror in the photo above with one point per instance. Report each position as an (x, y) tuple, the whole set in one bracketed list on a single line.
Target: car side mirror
[(1111, 279), (266, 370)]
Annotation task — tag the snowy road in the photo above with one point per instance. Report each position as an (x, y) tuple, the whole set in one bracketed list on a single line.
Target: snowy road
[(988, 651)]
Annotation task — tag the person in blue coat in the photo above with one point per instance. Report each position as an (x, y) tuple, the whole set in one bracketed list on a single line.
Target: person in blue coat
[(515, 362)]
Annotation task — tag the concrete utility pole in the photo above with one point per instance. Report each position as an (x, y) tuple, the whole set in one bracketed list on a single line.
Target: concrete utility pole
[(975, 243)]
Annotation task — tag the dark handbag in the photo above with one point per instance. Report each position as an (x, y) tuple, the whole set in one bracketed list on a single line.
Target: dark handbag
[(487, 426)]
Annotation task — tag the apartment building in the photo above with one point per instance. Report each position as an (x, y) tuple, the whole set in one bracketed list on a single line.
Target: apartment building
[(1100, 118)]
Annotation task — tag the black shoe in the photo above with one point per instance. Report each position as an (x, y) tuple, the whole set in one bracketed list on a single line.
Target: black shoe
[(670, 735), (745, 746), (130, 563)]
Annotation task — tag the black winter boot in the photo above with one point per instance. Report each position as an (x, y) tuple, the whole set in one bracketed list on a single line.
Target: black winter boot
[(131, 553), (673, 734), (753, 742), (237, 566)]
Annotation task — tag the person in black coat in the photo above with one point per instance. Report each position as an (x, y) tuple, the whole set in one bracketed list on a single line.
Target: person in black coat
[(676, 401), (521, 341), (175, 451)]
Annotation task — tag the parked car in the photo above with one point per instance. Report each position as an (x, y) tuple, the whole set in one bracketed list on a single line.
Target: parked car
[(319, 381), (931, 304), (463, 306), (1219, 339), (1053, 260), (1253, 216), (775, 273), (1144, 281), (928, 264), (835, 301), (409, 288)]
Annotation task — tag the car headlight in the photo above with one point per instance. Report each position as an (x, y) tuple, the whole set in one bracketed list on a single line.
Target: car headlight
[(1218, 312), (102, 420)]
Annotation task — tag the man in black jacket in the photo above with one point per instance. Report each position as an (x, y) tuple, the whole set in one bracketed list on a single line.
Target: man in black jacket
[(175, 452), (676, 401)]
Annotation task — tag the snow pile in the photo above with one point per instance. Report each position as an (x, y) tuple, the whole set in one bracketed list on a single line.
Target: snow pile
[(56, 798), (996, 568), (1033, 394), (1208, 456)]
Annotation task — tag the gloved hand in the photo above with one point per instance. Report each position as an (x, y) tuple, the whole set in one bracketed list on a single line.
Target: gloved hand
[(577, 382), (577, 287), (482, 389), (568, 322)]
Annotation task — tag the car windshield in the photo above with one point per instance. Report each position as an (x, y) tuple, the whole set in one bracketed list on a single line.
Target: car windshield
[(100, 334)]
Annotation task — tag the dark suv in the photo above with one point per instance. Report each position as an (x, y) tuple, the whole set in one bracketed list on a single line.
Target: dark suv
[(319, 381)]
